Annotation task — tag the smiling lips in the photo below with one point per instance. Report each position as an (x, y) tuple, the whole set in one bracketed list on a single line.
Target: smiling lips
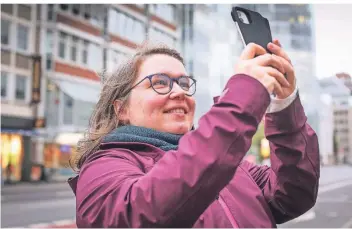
[(177, 111)]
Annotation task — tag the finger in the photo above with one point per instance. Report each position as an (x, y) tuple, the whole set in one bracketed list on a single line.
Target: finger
[(289, 70), (252, 50), (277, 75), (277, 50), (277, 42), (277, 88), (278, 59), (270, 60)]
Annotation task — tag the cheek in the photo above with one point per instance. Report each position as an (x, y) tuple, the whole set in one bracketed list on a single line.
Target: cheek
[(192, 104), (149, 105)]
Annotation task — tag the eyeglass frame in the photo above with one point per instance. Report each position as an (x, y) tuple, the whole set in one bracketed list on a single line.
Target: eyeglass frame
[(171, 85)]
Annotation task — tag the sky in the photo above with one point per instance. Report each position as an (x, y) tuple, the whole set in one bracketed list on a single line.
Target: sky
[(333, 33)]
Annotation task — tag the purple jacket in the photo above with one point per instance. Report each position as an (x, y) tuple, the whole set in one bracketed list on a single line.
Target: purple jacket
[(205, 183)]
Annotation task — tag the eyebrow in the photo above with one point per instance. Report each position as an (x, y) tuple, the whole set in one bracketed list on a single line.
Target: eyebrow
[(172, 74)]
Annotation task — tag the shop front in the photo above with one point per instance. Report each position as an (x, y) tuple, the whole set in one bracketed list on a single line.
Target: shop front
[(16, 134), (69, 106), (57, 155)]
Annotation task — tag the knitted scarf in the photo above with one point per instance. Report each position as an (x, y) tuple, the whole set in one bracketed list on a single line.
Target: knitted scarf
[(129, 133)]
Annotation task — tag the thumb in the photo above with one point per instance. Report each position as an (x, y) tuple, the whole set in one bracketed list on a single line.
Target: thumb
[(252, 50)]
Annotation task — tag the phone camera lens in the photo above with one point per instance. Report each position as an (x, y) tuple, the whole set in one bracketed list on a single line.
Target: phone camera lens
[(240, 16)]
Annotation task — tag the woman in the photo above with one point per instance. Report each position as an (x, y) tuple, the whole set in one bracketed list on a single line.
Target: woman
[(142, 164)]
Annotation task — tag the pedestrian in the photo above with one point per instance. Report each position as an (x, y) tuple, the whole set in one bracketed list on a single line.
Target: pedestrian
[(143, 164)]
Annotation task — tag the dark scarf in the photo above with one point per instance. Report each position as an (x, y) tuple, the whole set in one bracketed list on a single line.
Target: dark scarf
[(129, 133)]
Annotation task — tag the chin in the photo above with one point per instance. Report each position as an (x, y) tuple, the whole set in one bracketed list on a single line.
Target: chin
[(178, 128)]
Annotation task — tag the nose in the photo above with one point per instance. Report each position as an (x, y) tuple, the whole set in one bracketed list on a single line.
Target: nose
[(177, 92)]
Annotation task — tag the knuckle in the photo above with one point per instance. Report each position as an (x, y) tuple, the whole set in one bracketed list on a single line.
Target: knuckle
[(268, 57), (251, 45)]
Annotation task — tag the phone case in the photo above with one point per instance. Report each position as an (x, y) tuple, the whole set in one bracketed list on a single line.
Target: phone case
[(257, 31)]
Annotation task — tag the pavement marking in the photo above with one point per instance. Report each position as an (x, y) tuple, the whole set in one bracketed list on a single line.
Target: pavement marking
[(334, 186), (39, 225), (64, 222), (348, 224)]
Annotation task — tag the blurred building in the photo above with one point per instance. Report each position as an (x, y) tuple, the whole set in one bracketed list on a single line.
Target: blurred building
[(76, 43), (347, 80), (342, 108), (18, 36), (326, 129)]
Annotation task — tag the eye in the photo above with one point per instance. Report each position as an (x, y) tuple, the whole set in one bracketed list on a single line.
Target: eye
[(160, 82), (185, 83)]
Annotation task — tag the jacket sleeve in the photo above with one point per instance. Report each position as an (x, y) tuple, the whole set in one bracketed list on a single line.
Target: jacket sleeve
[(115, 192), (290, 185)]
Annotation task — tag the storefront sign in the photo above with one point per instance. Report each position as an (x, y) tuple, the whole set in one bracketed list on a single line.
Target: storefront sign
[(36, 79), (39, 123)]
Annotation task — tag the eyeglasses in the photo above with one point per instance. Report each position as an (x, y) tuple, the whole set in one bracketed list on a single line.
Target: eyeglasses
[(162, 83)]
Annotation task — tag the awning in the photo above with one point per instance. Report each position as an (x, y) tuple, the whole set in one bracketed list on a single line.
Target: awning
[(20, 132), (68, 138), (81, 92)]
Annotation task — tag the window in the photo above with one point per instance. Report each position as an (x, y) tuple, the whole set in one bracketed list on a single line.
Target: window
[(21, 85), (64, 7), (82, 117), (49, 48), (76, 9), (86, 11), (85, 52), (164, 11), (5, 32), (97, 10), (50, 12), (121, 24), (95, 57), (80, 51), (22, 37), (62, 45), (7, 8), (126, 26), (4, 82), (117, 59), (163, 37), (74, 45), (24, 11), (68, 109)]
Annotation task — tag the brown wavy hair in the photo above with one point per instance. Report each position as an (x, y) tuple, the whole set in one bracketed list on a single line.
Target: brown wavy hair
[(115, 87)]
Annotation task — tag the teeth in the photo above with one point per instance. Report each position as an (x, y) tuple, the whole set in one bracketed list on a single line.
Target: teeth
[(178, 110)]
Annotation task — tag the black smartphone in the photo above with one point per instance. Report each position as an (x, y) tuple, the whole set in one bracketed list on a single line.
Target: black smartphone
[(252, 27)]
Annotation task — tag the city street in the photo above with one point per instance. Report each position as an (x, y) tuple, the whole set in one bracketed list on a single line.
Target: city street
[(53, 205)]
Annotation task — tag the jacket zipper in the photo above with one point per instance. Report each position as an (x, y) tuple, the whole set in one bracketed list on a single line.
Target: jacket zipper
[(227, 212)]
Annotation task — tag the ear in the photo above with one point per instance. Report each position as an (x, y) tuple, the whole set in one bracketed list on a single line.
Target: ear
[(120, 111)]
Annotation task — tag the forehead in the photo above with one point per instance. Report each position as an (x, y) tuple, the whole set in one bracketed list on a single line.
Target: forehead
[(161, 63)]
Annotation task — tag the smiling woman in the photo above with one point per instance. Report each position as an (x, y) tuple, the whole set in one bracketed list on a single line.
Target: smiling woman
[(142, 164), (119, 105)]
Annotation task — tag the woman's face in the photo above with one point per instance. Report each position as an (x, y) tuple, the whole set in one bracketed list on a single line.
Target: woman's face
[(149, 109)]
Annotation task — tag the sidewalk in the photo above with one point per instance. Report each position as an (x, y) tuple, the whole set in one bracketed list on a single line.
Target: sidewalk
[(333, 174), (328, 174)]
